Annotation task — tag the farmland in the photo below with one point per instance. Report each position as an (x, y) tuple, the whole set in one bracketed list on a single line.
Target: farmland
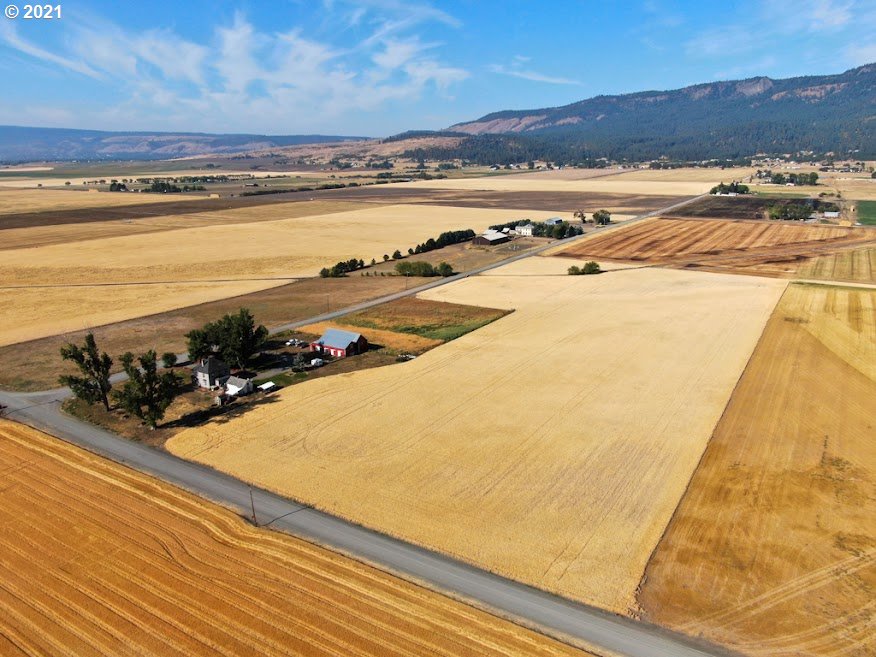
[(100, 560), (35, 365), (867, 212), (857, 265), (16, 201), (751, 247), (184, 265), (529, 446), (45, 228), (36, 312), (772, 549), (548, 182)]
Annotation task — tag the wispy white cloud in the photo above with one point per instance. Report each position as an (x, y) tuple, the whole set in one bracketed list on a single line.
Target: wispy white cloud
[(241, 75), (517, 71), (9, 35)]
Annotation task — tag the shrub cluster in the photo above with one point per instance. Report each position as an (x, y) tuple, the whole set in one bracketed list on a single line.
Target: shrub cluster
[(419, 268), (591, 267)]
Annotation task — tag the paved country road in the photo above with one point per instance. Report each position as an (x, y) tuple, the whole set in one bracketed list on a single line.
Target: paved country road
[(523, 604)]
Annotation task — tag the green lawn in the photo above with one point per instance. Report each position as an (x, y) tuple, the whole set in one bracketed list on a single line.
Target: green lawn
[(867, 212)]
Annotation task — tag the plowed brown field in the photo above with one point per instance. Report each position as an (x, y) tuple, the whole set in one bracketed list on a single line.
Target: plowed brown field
[(724, 245), (96, 559), (773, 548)]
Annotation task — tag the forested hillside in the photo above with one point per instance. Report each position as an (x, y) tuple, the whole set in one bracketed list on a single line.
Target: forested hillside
[(720, 119)]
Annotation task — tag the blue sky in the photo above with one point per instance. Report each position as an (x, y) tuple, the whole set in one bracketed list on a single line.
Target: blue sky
[(378, 67)]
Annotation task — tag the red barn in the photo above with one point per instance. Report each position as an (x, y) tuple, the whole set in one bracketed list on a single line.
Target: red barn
[(338, 343)]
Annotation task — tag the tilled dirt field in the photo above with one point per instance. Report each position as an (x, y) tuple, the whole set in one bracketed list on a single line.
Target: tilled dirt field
[(773, 548), (746, 246), (96, 559)]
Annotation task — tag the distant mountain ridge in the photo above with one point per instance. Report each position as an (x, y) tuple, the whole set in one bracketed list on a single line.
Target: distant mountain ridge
[(726, 119), (24, 143)]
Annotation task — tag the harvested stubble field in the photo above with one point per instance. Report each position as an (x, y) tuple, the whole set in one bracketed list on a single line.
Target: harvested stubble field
[(288, 247), (551, 446), (773, 549), (45, 228), (16, 201), (846, 265), (36, 312), (250, 255), (558, 201), (96, 559), (35, 365), (551, 183), (711, 175), (750, 247)]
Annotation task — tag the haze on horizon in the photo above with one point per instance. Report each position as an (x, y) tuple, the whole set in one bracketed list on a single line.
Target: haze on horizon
[(377, 67)]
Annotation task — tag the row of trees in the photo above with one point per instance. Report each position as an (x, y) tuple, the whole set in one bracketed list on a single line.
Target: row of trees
[(342, 268), (161, 187), (733, 188), (784, 179), (146, 393), (420, 268), (789, 211), (444, 239)]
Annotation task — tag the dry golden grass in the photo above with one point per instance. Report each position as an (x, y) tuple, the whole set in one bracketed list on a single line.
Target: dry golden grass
[(100, 560), (236, 252), (291, 247), (713, 176), (551, 446), (773, 549), (13, 201), (548, 182), (34, 312)]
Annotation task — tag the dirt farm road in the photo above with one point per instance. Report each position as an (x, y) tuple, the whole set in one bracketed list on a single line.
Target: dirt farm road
[(551, 614)]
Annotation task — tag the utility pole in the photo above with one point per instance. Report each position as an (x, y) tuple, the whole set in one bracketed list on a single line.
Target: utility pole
[(255, 520)]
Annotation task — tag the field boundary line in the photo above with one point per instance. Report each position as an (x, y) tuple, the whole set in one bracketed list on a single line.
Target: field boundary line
[(687, 487)]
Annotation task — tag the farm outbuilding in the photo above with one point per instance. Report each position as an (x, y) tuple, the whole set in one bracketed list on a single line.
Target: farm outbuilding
[(489, 238), (340, 344), (236, 386)]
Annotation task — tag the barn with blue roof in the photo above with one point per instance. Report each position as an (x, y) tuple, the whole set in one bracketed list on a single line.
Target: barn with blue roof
[(339, 343)]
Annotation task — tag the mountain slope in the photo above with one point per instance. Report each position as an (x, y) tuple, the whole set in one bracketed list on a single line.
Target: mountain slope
[(21, 143), (718, 119)]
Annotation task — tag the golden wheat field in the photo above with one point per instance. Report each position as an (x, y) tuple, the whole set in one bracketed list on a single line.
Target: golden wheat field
[(293, 247), (38, 312), (773, 549), (96, 559), (13, 201), (188, 264), (551, 446), (711, 175), (550, 181), (160, 221), (847, 265)]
